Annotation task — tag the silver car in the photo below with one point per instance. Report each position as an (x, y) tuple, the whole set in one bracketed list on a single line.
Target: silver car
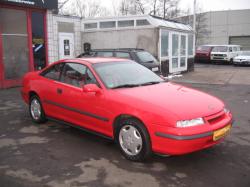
[(242, 59)]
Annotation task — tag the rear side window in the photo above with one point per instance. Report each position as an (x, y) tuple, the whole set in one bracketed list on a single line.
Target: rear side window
[(104, 54), (123, 55), (53, 72), (146, 57)]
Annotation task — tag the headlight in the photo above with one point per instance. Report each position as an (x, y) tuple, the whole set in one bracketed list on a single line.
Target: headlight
[(226, 110), (190, 123), (225, 55)]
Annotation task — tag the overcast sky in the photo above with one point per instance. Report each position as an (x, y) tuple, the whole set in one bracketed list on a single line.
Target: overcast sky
[(211, 5), (207, 5)]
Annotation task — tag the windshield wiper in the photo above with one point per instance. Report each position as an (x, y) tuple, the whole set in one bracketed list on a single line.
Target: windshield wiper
[(151, 83), (136, 85), (126, 86)]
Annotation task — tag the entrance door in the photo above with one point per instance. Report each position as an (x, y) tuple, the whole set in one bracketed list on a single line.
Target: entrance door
[(14, 50), (178, 56), (66, 45)]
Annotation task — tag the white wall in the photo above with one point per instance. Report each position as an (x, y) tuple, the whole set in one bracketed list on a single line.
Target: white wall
[(52, 35)]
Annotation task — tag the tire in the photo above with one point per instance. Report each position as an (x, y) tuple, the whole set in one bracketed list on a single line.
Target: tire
[(135, 146), (36, 110), (231, 61)]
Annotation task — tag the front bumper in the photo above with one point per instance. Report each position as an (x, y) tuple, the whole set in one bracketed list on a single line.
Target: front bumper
[(238, 62), (225, 59), (171, 142)]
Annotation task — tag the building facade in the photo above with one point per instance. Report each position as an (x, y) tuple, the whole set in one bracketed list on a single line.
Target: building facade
[(222, 27), (170, 42), (32, 36), (23, 38)]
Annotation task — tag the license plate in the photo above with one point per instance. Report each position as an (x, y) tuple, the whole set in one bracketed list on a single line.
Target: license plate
[(221, 132), (155, 69)]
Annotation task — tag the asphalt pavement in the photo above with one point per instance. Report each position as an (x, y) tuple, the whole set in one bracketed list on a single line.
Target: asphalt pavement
[(53, 154)]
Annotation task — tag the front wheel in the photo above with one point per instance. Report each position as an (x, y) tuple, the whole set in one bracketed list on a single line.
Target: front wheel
[(36, 110), (133, 140)]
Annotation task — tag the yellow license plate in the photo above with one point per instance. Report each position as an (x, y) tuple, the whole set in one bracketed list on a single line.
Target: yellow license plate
[(221, 132)]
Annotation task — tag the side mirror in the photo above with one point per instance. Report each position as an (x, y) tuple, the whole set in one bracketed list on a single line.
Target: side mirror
[(88, 88)]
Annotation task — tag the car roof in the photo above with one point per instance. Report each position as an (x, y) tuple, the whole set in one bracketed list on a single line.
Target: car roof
[(96, 60), (226, 45), (118, 49)]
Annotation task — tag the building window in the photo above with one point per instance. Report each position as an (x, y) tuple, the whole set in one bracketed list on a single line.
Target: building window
[(14, 43), (38, 40), (126, 23), (90, 26), (175, 44), (164, 43), (190, 45), (107, 24), (142, 22), (183, 45), (66, 47)]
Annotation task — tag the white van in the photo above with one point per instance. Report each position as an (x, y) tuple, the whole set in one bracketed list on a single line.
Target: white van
[(224, 53)]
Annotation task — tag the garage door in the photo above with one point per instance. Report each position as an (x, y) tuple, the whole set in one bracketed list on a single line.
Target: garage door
[(244, 41)]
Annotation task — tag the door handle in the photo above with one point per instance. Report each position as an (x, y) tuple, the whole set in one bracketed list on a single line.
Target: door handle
[(59, 91)]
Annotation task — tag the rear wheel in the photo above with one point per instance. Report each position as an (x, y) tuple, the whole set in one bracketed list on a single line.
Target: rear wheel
[(133, 140), (36, 110)]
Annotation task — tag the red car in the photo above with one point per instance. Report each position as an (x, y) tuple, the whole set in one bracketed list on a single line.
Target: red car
[(203, 53), (124, 101)]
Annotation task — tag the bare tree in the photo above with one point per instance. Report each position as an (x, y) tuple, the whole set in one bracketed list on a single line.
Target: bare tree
[(132, 7), (83, 9), (164, 8), (202, 29)]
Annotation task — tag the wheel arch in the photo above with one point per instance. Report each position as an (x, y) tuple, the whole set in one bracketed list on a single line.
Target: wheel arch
[(32, 93), (121, 117)]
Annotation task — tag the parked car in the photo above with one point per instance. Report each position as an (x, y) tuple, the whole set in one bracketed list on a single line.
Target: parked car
[(224, 53), (242, 59), (126, 102), (138, 55), (203, 53)]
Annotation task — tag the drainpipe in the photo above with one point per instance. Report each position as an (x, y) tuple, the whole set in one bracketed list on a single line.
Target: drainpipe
[(194, 24)]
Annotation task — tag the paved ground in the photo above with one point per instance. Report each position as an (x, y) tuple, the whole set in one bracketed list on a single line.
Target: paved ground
[(56, 155), (217, 74)]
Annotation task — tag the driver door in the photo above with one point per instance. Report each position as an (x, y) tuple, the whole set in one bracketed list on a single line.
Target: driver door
[(80, 108)]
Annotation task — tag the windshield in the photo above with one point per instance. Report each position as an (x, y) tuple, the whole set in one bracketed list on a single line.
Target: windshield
[(245, 53), (203, 48), (126, 74), (145, 57), (220, 49)]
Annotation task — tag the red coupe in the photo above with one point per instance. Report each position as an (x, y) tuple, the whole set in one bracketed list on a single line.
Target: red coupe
[(124, 101)]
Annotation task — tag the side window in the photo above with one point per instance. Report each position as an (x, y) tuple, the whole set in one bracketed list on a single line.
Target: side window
[(104, 54), (77, 75), (230, 49), (74, 74), (53, 72), (123, 55)]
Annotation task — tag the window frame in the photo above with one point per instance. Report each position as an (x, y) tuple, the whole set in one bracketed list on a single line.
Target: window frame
[(87, 68)]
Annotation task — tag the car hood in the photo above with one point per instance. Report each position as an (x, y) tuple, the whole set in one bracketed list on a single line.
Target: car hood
[(242, 57), (185, 103)]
